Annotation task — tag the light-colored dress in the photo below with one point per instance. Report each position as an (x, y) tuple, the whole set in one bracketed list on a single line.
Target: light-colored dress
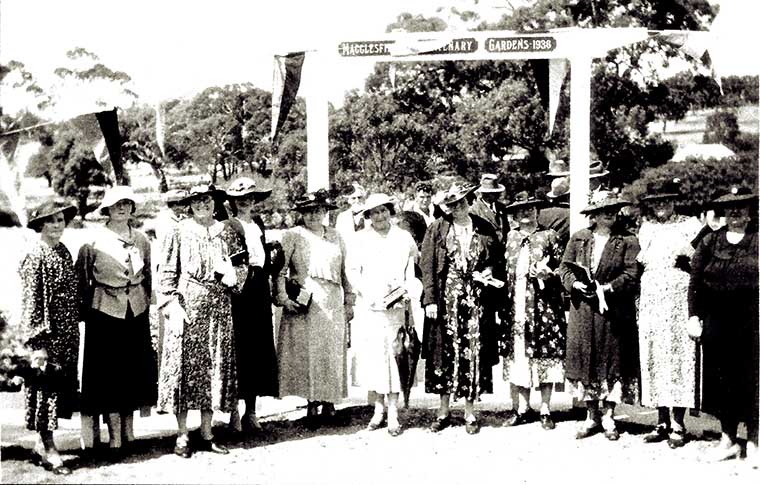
[(667, 352), (380, 263), (312, 346), (198, 367)]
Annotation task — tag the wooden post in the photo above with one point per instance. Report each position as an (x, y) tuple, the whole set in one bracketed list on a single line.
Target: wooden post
[(580, 138), (317, 122)]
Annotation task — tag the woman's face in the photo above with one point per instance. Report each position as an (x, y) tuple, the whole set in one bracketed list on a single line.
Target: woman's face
[(313, 218), (202, 207), (663, 209), (52, 228), (526, 215), (605, 218), (460, 208), (737, 217), (120, 211), (380, 218), (244, 206)]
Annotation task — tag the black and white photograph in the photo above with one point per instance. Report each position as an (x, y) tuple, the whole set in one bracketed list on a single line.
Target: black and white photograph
[(409, 241)]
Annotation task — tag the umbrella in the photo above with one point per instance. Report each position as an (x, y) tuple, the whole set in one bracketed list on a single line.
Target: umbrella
[(406, 350)]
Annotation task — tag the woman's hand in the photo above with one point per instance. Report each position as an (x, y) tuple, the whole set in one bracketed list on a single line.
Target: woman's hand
[(580, 286), (174, 314), (541, 270), (694, 327), (290, 306), (431, 311)]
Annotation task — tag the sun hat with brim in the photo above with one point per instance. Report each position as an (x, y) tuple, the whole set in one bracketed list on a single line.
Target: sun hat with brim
[(115, 194), (49, 208), (315, 200), (560, 188), (457, 192), (202, 190), (175, 195), (246, 187), (558, 168), (737, 196), (668, 191), (595, 169), (488, 183), (605, 200), (377, 200), (523, 200)]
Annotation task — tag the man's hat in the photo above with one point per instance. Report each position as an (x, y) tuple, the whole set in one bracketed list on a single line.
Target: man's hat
[(595, 169), (488, 183), (558, 168), (560, 188)]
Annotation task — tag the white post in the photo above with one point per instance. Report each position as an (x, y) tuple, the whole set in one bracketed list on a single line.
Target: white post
[(317, 133), (580, 138)]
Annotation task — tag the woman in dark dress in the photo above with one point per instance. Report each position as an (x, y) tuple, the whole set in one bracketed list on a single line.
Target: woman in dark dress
[(602, 342), (252, 308), (723, 313), (50, 319), (460, 251)]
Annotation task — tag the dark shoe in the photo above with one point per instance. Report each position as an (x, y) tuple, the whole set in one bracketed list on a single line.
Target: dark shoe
[(328, 410), (213, 447), (612, 434), (250, 425), (660, 433), (587, 430), (516, 418), (472, 427), (440, 423), (677, 439), (60, 469), (547, 422)]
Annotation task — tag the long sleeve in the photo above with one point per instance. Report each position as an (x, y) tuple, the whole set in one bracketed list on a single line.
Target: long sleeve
[(34, 297), (565, 274), (85, 278), (699, 260), (348, 292), (627, 280), (428, 264), (148, 269), (169, 268)]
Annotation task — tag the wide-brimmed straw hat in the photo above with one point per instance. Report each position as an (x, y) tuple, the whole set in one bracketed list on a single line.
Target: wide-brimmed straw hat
[(376, 200), (558, 168), (560, 188), (523, 200), (488, 183), (313, 200), (175, 196), (596, 169), (49, 208), (246, 187), (669, 190), (201, 190), (736, 196), (115, 194), (605, 200), (457, 192)]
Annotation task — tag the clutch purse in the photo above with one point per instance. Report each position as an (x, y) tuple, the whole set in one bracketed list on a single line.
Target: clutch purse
[(297, 293)]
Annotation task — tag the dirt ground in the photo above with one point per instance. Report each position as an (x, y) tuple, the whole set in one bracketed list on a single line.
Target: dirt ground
[(341, 451)]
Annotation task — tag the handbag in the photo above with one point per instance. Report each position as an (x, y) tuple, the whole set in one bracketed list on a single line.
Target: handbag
[(298, 293)]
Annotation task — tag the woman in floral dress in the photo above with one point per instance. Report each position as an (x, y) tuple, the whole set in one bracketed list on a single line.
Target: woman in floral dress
[(668, 377), (459, 338), (534, 339), (50, 319), (313, 341), (200, 268)]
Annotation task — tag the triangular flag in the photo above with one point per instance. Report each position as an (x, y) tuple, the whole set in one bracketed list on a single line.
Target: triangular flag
[(286, 81), (540, 69), (160, 129), (92, 136), (109, 125), (696, 45), (557, 73), (11, 176), (392, 75)]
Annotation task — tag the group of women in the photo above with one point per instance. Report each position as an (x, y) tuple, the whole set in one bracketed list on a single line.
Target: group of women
[(217, 278)]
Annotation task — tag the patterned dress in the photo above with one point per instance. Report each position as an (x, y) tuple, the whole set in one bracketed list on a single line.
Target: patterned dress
[(312, 345), (667, 352), (534, 343), (461, 372), (50, 316), (198, 369)]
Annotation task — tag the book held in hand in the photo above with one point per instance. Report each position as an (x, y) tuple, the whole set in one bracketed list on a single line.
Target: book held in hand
[(393, 296), (582, 274), (297, 293)]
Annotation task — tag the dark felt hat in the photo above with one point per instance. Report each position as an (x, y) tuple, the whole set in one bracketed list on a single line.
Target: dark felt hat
[(49, 208), (313, 200), (523, 200)]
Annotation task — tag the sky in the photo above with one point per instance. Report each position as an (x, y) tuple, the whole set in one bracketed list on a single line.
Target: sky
[(173, 49)]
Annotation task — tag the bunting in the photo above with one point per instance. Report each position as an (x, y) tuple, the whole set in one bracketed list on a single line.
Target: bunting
[(287, 79), (549, 75), (160, 129), (101, 132)]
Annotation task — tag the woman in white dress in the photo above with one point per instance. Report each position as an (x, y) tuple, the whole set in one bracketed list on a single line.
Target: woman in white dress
[(382, 269)]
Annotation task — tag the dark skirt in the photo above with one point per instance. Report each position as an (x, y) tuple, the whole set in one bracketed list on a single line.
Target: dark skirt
[(254, 338), (730, 355), (119, 370)]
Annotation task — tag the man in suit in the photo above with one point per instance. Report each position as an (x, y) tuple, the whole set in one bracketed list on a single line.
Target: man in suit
[(488, 207), (557, 215)]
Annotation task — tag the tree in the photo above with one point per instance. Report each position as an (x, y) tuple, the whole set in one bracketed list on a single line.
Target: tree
[(138, 127), (721, 127)]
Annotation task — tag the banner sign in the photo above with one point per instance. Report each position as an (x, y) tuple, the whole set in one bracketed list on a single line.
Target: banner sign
[(391, 47), (521, 44)]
